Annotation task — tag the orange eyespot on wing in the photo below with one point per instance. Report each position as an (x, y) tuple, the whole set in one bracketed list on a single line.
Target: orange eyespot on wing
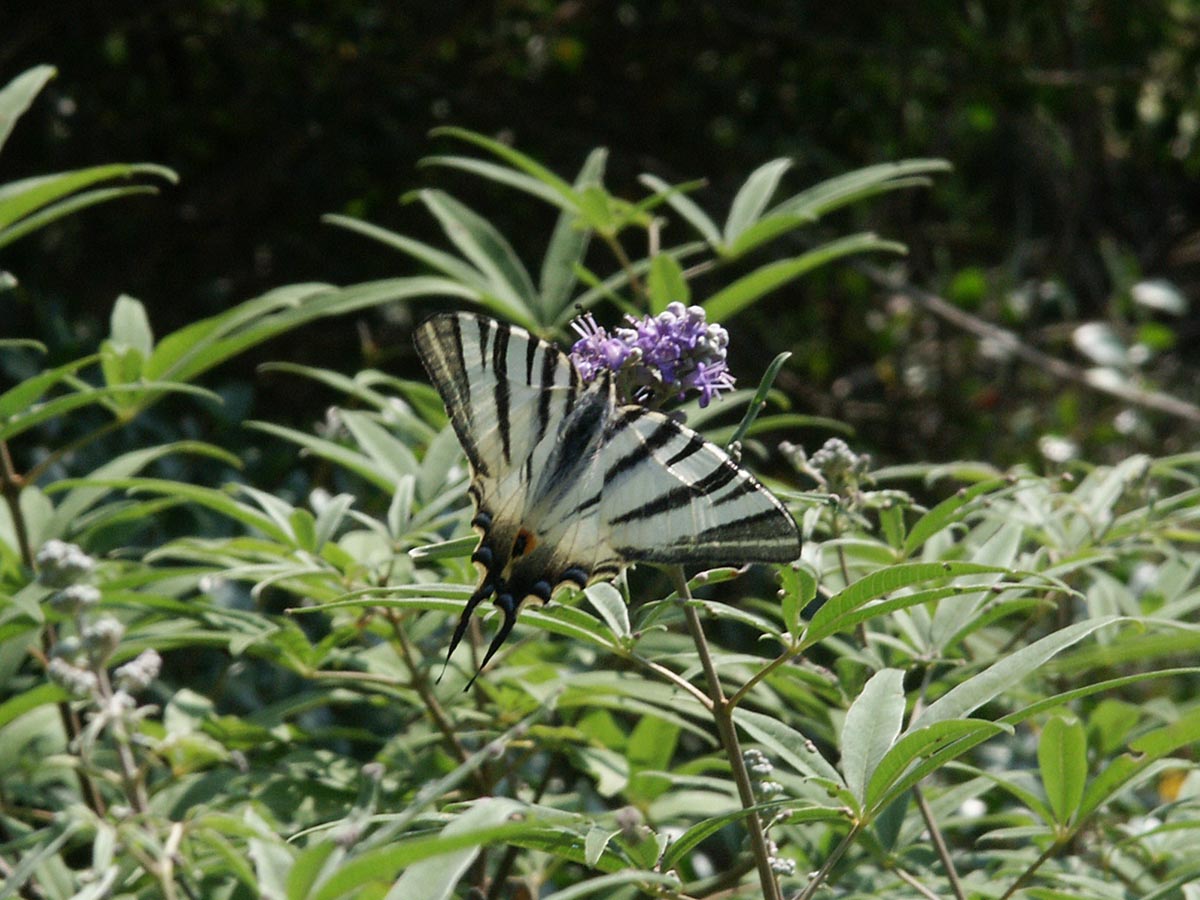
[(524, 543)]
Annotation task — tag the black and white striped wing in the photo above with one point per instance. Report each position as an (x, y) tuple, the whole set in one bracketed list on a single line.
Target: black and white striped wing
[(670, 496), (504, 390)]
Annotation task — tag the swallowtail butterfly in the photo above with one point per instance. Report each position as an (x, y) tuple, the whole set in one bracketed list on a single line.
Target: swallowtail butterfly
[(570, 486)]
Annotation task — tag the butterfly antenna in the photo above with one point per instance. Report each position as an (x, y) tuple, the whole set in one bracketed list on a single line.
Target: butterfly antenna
[(481, 594), (508, 606)]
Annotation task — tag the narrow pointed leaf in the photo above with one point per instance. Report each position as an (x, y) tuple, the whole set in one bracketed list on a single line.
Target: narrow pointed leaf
[(836, 192), (871, 726), (753, 196), (18, 94), (486, 247), (746, 290), (1062, 759), (1007, 672), (514, 158), (568, 246), (502, 175), (686, 207)]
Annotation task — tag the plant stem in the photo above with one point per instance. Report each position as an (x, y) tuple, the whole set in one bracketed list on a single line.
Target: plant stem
[(11, 483), (912, 882), (623, 258), (425, 690), (135, 788), (1025, 876), (830, 862), (939, 843), (722, 712)]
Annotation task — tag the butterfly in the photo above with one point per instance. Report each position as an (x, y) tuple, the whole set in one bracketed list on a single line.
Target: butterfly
[(569, 485)]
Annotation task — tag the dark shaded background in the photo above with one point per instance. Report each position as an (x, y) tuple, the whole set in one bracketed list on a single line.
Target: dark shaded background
[(1072, 126)]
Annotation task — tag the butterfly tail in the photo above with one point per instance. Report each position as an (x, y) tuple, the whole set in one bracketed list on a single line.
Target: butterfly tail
[(508, 606), (481, 593)]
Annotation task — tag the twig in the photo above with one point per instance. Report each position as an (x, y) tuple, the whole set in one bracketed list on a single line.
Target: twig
[(830, 861), (425, 690), (11, 483), (1156, 400), (912, 882), (1025, 876), (935, 833), (722, 712), (939, 843)]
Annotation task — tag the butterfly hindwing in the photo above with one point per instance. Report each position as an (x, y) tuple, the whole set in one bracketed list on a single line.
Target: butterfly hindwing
[(670, 496)]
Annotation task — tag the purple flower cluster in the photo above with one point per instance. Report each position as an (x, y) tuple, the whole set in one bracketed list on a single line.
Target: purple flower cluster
[(658, 357)]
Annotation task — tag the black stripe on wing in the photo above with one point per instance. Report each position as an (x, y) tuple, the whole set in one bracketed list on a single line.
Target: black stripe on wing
[(681, 496), (500, 369), (440, 345)]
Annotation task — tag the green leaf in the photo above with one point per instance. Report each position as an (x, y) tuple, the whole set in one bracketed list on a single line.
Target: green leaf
[(27, 701), (59, 406), (1006, 673), (487, 248), (218, 501), (390, 456), (735, 297), (18, 399), (949, 511), (799, 582), (918, 744), (759, 401), (1062, 758), (18, 94), (348, 459), (568, 246), (434, 877), (62, 208), (307, 871), (79, 500), (871, 726), (829, 618), (605, 884), (19, 199), (787, 743), (607, 601), (437, 861), (765, 229), (444, 262), (687, 208), (753, 196), (1147, 749), (503, 175), (514, 158), (842, 190), (666, 284)]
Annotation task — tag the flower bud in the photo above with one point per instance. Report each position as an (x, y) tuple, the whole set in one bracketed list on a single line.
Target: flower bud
[(100, 638), (61, 564), (74, 599), (137, 674), (77, 681)]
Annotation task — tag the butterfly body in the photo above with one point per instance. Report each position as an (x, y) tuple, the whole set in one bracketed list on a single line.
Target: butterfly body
[(569, 485)]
